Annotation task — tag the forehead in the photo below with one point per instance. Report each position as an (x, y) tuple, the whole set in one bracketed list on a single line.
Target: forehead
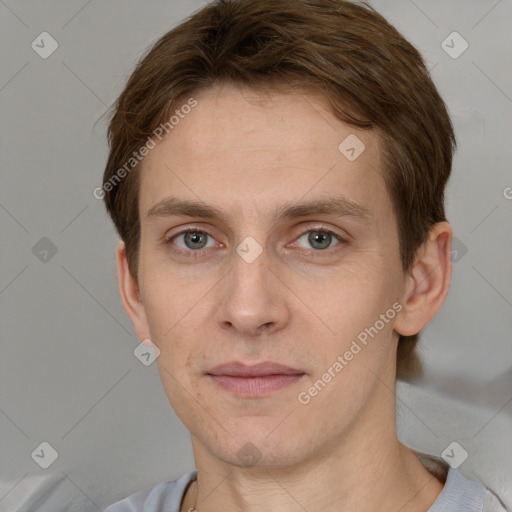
[(249, 152)]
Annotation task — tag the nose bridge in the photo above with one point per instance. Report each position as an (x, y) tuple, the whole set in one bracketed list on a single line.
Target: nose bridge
[(251, 297), (250, 269)]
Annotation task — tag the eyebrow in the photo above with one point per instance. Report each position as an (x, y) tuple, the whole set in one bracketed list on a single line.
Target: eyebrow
[(339, 206)]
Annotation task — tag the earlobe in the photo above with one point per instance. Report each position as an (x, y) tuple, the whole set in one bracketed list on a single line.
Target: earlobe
[(428, 281), (130, 294)]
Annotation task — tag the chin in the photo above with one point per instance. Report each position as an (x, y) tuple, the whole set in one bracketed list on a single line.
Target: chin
[(255, 447)]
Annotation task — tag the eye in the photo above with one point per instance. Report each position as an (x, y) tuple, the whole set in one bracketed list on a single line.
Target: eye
[(192, 239), (320, 240)]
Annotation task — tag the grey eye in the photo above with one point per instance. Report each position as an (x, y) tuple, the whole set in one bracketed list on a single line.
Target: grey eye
[(193, 240), (319, 240)]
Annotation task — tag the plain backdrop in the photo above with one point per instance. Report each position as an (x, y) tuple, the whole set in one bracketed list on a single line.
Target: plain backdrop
[(69, 376)]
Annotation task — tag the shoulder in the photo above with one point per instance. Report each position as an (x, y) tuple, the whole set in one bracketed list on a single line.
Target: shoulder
[(462, 494), (492, 503), (459, 493), (164, 496)]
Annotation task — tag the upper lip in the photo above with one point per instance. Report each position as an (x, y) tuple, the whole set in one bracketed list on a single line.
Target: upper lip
[(238, 369)]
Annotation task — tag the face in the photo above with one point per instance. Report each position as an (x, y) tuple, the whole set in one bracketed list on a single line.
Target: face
[(261, 273)]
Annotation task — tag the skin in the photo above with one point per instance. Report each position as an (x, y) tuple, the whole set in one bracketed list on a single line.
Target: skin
[(247, 153)]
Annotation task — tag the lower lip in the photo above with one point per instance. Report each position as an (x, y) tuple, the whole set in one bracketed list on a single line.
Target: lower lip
[(255, 386)]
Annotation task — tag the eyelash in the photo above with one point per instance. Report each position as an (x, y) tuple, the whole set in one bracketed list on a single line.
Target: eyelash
[(200, 252)]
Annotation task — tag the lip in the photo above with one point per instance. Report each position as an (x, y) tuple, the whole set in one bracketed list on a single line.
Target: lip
[(238, 369), (256, 380)]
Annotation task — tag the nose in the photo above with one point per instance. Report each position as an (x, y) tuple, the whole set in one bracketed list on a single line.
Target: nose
[(253, 300)]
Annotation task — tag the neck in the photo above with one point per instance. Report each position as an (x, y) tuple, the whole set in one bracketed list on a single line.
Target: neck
[(366, 472)]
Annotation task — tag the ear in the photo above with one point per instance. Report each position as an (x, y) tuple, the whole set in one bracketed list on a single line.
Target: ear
[(130, 295), (428, 282)]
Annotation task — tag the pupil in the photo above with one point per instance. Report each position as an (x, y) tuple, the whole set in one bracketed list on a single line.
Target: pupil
[(194, 237), (313, 238)]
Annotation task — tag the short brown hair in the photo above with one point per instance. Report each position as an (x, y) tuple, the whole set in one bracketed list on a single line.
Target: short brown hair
[(372, 77)]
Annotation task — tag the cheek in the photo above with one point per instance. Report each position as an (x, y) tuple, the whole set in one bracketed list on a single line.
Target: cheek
[(179, 323), (168, 301), (351, 296), (356, 315)]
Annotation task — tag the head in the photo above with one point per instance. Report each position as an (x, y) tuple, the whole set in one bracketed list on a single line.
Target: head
[(256, 112)]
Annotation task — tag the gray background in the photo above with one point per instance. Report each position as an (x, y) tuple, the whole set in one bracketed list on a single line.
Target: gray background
[(68, 373)]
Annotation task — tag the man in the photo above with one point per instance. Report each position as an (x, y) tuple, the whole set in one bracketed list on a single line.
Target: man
[(277, 174)]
